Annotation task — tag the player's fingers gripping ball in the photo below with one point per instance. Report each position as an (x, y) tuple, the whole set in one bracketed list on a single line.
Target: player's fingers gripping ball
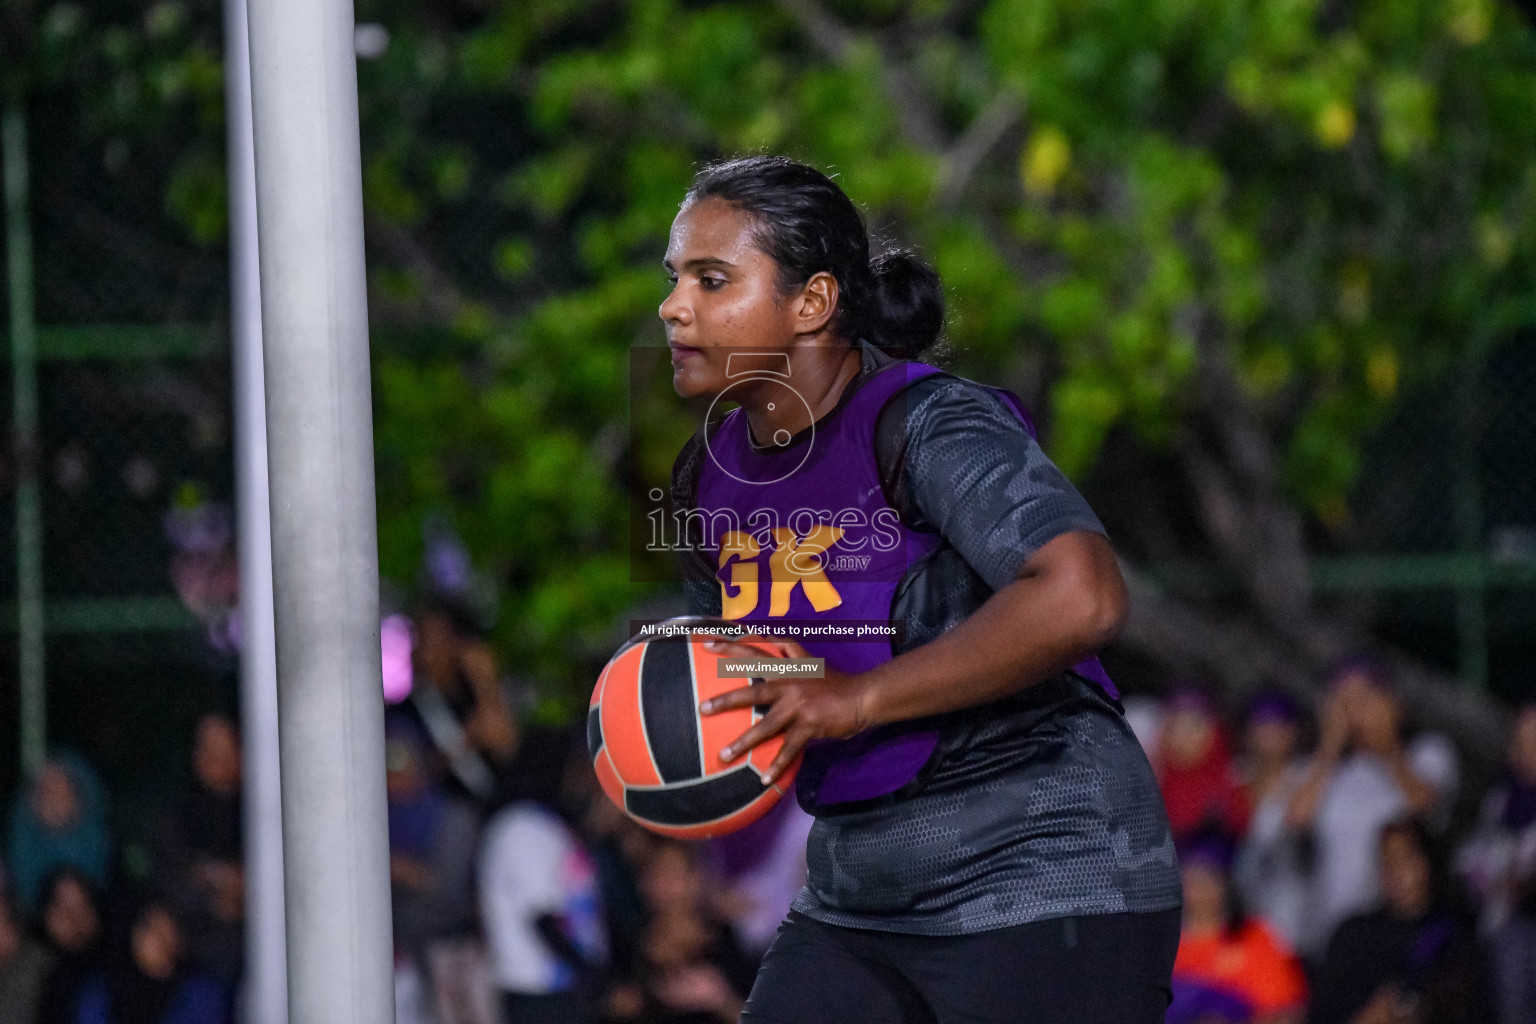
[(658, 758)]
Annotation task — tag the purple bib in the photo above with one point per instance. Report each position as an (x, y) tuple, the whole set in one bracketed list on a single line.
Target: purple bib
[(804, 538)]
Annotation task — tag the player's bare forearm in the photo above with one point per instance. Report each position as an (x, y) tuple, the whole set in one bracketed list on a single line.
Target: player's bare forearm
[(1068, 600)]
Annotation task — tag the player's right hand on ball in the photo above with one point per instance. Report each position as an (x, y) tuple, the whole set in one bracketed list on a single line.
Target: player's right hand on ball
[(801, 709)]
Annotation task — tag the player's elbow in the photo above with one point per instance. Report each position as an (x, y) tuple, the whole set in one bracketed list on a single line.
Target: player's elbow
[(1083, 587), (1102, 608)]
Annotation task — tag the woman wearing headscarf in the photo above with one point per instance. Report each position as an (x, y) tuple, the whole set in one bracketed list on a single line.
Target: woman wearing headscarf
[(59, 821), (1196, 771), (1273, 867)]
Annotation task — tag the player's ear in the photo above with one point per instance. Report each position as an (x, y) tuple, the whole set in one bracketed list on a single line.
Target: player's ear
[(816, 303)]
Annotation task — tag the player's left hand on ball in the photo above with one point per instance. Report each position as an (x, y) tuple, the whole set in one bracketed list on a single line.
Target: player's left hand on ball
[(801, 709)]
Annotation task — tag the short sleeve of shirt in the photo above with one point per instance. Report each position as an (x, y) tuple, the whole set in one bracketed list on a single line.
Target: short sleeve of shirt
[(968, 468)]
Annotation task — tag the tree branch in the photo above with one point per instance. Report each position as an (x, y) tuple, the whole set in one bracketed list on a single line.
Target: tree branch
[(918, 120), (441, 296), (1247, 657), (916, 116), (1254, 530), (965, 156)]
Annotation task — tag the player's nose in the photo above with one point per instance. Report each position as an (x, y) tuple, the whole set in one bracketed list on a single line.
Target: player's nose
[(674, 310)]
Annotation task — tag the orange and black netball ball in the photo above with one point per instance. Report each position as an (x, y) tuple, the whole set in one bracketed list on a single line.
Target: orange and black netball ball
[(657, 758)]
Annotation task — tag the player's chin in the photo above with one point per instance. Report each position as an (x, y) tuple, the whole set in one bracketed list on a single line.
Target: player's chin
[(694, 376)]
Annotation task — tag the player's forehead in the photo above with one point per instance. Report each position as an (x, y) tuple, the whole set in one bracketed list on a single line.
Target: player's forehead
[(712, 231)]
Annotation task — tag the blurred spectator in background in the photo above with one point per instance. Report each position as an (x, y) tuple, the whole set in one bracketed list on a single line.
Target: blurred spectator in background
[(617, 846), (689, 969), (149, 979), (70, 923), (198, 853), (1232, 968), (1412, 958), (1271, 871), (763, 867), (1195, 769), (1499, 863), (432, 836), (459, 701), (539, 896), (24, 967), (1363, 775), (59, 820)]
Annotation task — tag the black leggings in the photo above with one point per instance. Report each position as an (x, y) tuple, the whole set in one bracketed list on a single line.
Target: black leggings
[(1099, 969), (555, 1008)]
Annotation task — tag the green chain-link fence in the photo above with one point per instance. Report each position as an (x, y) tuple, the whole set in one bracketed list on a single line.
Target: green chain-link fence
[(1445, 522), (131, 464)]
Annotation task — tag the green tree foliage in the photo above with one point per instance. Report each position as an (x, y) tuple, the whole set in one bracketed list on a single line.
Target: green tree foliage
[(1237, 231), (1265, 219)]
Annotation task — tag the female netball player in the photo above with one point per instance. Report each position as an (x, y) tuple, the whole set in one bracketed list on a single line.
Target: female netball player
[(989, 842)]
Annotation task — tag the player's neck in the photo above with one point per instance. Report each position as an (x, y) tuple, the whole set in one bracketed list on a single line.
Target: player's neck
[(818, 375)]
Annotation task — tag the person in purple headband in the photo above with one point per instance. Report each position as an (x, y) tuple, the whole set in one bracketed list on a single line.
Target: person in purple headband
[(989, 842), (1364, 774), (1232, 966), (1273, 707), (1361, 668), (1271, 870), (1195, 768)]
